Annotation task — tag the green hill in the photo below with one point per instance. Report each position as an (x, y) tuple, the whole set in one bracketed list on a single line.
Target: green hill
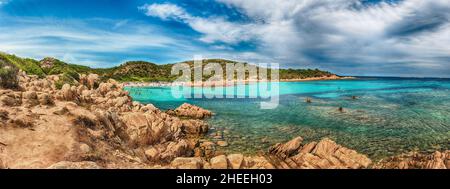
[(133, 71)]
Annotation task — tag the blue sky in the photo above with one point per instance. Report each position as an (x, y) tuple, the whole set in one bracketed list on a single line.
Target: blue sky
[(349, 37)]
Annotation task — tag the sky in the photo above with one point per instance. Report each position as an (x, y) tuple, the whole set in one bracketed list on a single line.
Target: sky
[(408, 38)]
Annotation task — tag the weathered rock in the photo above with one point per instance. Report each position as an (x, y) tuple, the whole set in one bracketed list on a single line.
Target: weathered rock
[(219, 162), (45, 99), (176, 149), (325, 154), (68, 93), (191, 111), (187, 163), (84, 148), (22, 121), (4, 115), (152, 154), (236, 161), (147, 129), (287, 149), (75, 165), (30, 98), (61, 111), (195, 127), (258, 163), (8, 101)]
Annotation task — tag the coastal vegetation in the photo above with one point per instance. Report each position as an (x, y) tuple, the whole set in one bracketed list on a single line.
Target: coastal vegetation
[(132, 71)]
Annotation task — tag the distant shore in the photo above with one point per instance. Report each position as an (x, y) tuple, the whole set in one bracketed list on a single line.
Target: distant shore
[(227, 83)]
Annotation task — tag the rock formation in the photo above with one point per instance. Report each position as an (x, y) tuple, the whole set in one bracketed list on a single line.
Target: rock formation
[(92, 125), (191, 111), (95, 125), (325, 154)]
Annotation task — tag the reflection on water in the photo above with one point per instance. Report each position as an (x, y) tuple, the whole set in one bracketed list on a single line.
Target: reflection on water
[(389, 115)]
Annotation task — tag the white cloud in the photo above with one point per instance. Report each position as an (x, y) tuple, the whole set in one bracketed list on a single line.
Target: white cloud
[(414, 32), (215, 29), (78, 41)]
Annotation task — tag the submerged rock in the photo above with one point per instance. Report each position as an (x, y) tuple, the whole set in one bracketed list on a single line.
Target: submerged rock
[(436, 160)]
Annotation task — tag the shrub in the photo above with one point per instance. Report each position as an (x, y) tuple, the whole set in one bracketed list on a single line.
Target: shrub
[(8, 76)]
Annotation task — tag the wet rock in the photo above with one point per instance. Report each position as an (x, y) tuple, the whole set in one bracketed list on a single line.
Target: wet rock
[(75, 165)]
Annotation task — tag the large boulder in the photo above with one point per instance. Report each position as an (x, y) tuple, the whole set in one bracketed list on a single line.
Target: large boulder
[(195, 127), (236, 161), (191, 111), (325, 154), (287, 149), (45, 99), (68, 93), (187, 163), (148, 129), (219, 162), (30, 98)]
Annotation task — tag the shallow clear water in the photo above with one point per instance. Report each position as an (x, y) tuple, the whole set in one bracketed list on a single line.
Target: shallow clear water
[(389, 117)]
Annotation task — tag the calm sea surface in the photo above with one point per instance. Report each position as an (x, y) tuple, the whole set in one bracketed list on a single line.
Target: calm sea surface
[(389, 116)]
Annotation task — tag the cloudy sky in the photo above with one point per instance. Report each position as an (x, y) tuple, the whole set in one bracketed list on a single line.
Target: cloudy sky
[(349, 37)]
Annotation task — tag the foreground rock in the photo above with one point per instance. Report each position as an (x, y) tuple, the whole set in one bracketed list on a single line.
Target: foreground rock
[(75, 165), (88, 125), (325, 154)]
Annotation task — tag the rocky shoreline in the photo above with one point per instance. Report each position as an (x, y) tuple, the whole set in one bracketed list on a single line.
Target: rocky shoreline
[(94, 125)]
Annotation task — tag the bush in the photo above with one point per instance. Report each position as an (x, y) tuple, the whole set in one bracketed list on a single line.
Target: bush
[(8, 76)]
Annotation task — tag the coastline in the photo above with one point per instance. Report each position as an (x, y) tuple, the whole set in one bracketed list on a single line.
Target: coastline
[(227, 83), (97, 125)]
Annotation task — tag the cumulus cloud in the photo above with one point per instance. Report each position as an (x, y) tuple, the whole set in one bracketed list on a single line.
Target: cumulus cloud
[(215, 29), (348, 36)]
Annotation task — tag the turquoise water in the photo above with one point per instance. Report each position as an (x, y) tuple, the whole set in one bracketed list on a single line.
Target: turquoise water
[(390, 115)]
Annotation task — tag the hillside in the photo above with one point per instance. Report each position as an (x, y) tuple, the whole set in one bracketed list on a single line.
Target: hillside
[(133, 71)]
